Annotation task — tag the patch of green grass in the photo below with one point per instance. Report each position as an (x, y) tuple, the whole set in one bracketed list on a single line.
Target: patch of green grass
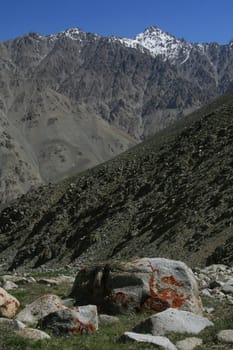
[(30, 292)]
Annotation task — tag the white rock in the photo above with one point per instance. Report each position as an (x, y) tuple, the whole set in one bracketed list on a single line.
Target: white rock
[(48, 281), (107, 319), (205, 293), (229, 281), (213, 269), (189, 343), (163, 342), (227, 289), (225, 336), (209, 310), (173, 320)]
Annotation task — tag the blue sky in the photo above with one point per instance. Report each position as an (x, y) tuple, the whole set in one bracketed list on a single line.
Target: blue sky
[(193, 20)]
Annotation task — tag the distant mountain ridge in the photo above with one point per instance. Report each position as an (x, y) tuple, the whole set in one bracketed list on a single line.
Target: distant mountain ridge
[(71, 100)]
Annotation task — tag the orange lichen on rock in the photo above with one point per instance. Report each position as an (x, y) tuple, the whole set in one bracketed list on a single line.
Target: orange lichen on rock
[(171, 280), (82, 328), (160, 299)]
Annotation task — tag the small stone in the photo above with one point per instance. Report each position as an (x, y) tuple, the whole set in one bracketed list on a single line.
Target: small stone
[(107, 319), (205, 293), (209, 310), (227, 289), (189, 343), (161, 342), (225, 336), (9, 285), (48, 281), (229, 281)]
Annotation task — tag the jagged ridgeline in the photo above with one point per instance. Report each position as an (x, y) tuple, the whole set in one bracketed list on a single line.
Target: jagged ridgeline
[(72, 100), (170, 196)]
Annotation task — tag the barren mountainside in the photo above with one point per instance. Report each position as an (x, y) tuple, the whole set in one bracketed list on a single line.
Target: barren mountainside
[(72, 100), (170, 196)]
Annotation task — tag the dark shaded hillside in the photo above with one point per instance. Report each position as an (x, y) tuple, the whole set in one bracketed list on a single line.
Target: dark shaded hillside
[(171, 196)]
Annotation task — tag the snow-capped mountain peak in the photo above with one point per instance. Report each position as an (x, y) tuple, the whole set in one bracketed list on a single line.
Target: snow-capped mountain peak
[(161, 43), (71, 33)]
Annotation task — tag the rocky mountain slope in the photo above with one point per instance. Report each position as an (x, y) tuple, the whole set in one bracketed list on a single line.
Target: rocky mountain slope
[(71, 100), (171, 196)]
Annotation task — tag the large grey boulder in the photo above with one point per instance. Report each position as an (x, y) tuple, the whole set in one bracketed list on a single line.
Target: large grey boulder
[(173, 320), (147, 284), (40, 308), (74, 321), (157, 341)]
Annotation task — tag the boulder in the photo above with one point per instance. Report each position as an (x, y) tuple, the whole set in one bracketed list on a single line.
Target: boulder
[(225, 336), (34, 334), (40, 308), (173, 320), (48, 281), (159, 342), (8, 304), (146, 285), (189, 343), (72, 321)]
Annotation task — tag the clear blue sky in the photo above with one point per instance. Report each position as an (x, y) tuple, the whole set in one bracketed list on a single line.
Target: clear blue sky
[(194, 20)]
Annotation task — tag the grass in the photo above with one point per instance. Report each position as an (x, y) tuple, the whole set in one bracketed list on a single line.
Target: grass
[(107, 335)]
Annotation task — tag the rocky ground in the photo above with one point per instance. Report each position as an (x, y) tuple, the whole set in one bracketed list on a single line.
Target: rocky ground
[(213, 331)]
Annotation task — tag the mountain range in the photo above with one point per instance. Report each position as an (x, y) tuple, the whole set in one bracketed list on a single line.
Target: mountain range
[(72, 100), (170, 196)]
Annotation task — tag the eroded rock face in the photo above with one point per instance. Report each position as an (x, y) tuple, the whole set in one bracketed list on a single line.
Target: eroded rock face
[(8, 304), (40, 308), (72, 321), (146, 285)]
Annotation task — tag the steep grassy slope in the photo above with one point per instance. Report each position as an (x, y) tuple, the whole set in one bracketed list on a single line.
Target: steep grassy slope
[(171, 196)]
